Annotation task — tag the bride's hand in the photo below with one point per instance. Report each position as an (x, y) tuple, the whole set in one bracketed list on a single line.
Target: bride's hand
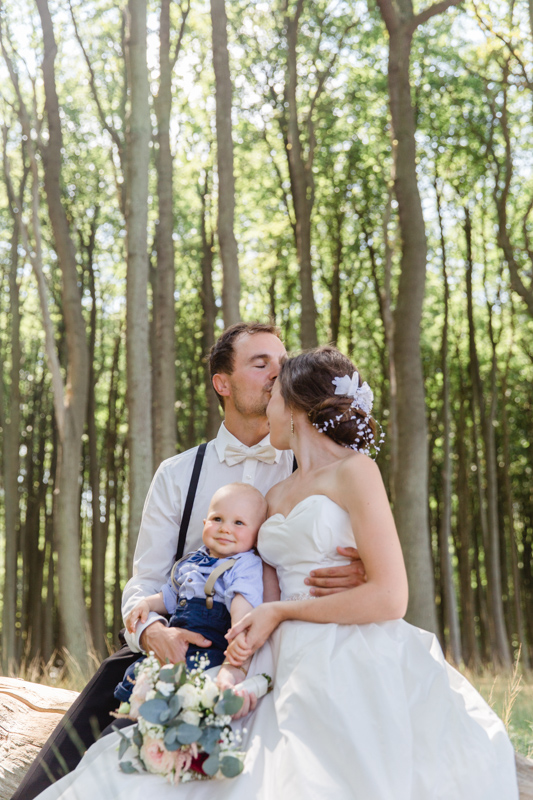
[(229, 677), (258, 625)]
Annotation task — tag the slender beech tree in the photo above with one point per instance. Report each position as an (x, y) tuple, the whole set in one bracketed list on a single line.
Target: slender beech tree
[(451, 615), (301, 177), (98, 530), (470, 647), (164, 350), (138, 370), (510, 508), (410, 479), (209, 307), (11, 424), (71, 404), (231, 281), (488, 494), (299, 137)]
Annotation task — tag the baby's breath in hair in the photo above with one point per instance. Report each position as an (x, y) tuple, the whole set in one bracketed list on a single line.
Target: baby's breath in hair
[(310, 381)]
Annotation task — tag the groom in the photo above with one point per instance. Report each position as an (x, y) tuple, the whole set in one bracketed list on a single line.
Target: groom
[(244, 364)]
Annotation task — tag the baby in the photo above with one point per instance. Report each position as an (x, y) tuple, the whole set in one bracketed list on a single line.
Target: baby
[(213, 588)]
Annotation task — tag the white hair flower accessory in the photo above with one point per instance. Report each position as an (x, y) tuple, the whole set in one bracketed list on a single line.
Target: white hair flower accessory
[(363, 396)]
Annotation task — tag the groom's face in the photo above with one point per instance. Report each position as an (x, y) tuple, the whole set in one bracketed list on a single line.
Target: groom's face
[(257, 359)]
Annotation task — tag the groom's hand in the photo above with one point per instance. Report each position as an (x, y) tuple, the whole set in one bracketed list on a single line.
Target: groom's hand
[(170, 644), (337, 579)]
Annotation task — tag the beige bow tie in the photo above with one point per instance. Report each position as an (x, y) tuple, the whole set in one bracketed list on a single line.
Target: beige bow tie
[(234, 454)]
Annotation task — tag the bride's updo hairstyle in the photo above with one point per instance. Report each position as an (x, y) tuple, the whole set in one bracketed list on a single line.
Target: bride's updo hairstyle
[(307, 383)]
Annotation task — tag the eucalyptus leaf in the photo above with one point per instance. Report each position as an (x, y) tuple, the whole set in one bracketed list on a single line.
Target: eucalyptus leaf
[(229, 704), (152, 710), (123, 746), (209, 739), (119, 731), (174, 705), (187, 734), (137, 737), (167, 674), (231, 766), (170, 736), (211, 765), (127, 767)]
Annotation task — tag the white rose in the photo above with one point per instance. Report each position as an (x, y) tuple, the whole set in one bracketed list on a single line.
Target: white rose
[(189, 696), (209, 694), (150, 695), (190, 716), (166, 689)]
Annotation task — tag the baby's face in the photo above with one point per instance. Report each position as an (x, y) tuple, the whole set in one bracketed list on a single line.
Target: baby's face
[(232, 523)]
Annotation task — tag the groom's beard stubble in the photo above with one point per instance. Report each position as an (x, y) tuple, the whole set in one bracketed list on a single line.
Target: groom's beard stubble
[(251, 406)]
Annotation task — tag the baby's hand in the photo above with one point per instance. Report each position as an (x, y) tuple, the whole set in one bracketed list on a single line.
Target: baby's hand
[(238, 650), (140, 612)]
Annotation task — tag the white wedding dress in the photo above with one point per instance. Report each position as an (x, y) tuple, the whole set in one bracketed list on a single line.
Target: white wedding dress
[(358, 712)]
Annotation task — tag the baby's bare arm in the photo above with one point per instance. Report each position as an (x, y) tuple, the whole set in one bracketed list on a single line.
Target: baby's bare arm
[(153, 602), (238, 651)]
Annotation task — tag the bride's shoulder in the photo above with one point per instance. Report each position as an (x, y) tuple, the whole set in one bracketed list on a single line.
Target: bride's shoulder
[(358, 467)]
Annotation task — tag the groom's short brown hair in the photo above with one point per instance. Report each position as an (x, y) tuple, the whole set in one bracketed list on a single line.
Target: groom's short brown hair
[(222, 355)]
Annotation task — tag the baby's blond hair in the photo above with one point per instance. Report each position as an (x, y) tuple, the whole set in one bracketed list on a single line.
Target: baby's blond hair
[(230, 488)]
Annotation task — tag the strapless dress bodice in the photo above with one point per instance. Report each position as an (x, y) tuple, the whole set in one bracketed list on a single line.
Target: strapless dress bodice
[(304, 540)]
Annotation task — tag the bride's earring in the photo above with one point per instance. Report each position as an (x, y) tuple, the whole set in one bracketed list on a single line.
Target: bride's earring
[(292, 425)]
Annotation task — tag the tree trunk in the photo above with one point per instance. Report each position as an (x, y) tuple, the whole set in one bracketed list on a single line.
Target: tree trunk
[(384, 298), (509, 498), (495, 584), (410, 478), (139, 394), (451, 617), (335, 305), (98, 533), (209, 315), (302, 189), (231, 284), (11, 440), (110, 444), (164, 352), (487, 502), (119, 476), (34, 555), (464, 534), (67, 522)]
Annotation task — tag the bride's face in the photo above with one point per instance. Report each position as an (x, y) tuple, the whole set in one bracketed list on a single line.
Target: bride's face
[(279, 418)]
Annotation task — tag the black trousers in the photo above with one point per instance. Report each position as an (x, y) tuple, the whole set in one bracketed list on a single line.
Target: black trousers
[(80, 727)]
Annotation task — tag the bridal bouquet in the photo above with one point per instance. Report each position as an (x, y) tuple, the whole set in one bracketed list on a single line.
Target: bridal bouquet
[(183, 725)]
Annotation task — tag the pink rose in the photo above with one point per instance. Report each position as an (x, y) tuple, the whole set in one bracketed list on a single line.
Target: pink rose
[(156, 757)]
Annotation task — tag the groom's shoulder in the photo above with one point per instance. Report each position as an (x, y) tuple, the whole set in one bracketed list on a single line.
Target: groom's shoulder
[(181, 462)]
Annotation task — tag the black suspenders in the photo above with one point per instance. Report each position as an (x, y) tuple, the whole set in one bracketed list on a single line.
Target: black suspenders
[(189, 502)]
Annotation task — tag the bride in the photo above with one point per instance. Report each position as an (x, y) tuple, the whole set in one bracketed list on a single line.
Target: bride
[(364, 705)]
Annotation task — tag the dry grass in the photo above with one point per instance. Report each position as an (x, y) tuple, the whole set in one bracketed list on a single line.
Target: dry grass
[(61, 670), (511, 697)]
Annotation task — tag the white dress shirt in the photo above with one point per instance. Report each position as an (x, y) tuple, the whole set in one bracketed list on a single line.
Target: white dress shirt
[(155, 552)]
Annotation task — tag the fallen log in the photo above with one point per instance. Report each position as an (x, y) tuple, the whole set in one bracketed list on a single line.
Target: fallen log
[(524, 769), (29, 712)]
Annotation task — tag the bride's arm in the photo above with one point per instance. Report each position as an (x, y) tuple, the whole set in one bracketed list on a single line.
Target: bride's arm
[(359, 489)]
